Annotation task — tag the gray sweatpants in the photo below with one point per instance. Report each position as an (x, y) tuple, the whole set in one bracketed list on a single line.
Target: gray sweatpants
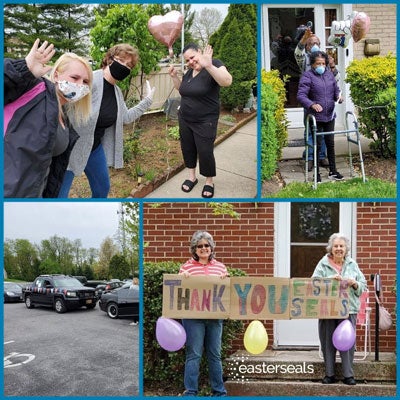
[(326, 327)]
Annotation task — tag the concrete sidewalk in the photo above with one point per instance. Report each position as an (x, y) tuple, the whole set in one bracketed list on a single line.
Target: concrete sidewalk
[(236, 159), (291, 165)]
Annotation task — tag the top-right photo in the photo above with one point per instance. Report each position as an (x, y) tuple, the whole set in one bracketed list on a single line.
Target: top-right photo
[(328, 101)]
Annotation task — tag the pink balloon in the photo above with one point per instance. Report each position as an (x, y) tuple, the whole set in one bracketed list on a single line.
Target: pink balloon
[(170, 334), (344, 336), (360, 26), (166, 28)]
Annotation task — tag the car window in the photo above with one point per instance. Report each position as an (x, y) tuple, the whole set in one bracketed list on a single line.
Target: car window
[(11, 286), (67, 282)]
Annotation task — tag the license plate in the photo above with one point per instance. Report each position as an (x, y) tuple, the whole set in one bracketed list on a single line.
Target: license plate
[(89, 301)]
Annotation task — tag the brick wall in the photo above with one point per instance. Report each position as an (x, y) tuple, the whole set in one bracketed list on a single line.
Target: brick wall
[(383, 27), (248, 243), (376, 253)]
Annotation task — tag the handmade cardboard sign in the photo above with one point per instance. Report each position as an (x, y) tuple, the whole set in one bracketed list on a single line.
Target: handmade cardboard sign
[(196, 297), (210, 297)]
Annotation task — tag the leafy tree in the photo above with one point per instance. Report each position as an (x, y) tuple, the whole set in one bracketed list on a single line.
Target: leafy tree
[(205, 24), (108, 249), (131, 228), (246, 14), (57, 251), (241, 61), (119, 267), (65, 25), (25, 256), (126, 23)]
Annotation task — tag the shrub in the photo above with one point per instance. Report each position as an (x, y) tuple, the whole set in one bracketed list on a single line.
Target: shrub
[(274, 122), (240, 59), (162, 368), (370, 79)]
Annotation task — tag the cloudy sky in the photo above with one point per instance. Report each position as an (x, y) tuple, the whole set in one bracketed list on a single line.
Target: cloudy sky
[(91, 222), (223, 8)]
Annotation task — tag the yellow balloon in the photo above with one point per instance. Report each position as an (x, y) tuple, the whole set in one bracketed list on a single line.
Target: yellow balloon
[(255, 338)]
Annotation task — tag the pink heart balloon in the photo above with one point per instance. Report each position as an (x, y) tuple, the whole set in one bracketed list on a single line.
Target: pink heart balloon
[(166, 28)]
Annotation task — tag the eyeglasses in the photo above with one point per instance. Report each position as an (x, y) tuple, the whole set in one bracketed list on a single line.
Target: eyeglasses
[(200, 246)]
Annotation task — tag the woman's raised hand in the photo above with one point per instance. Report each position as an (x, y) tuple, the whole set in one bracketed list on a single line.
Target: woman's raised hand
[(38, 57)]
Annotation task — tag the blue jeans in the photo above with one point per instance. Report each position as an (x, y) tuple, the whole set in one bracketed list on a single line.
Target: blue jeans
[(200, 334), (309, 147), (97, 173)]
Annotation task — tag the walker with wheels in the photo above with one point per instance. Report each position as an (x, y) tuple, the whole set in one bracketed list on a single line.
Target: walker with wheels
[(350, 117)]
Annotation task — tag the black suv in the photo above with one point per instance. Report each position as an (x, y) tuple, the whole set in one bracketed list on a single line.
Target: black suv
[(61, 292)]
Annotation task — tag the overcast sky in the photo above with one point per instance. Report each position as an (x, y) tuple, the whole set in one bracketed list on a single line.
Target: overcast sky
[(223, 8), (91, 222)]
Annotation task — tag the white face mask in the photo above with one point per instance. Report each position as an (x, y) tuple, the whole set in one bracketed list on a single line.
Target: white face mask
[(73, 92)]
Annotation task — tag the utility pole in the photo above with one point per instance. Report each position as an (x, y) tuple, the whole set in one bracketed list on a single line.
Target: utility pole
[(121, 212)]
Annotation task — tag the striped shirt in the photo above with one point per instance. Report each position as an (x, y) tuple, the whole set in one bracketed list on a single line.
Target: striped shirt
[(194, 267)]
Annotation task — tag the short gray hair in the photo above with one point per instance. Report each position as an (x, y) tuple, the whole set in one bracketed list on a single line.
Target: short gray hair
[(335, 236), (200, 235)]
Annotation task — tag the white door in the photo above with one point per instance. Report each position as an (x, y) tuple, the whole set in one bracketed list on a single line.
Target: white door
[(279, 28), (301, 233)]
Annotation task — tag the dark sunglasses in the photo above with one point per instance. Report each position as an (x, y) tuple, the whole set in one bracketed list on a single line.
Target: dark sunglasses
[(200, 246)]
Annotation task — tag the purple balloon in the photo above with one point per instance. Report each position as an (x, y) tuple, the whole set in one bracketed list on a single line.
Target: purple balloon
[(170, 334), (344, 336)]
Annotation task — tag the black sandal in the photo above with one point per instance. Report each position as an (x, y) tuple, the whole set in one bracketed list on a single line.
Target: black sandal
[(190, 184), (208, 188)]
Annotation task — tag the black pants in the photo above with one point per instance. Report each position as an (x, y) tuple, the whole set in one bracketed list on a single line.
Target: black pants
[(329, 141), (197, 140)]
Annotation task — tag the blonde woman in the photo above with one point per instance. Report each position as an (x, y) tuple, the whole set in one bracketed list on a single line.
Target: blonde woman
[(38, 116)]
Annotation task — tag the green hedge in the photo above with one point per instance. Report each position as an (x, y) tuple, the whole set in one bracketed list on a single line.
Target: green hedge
[(373, 91), (274, 123), (163, 369)]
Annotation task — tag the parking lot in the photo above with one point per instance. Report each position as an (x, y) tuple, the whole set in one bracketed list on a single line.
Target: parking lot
[(79, 353)]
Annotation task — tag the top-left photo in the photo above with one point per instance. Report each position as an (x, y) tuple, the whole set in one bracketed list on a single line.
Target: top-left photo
[(130, 101)]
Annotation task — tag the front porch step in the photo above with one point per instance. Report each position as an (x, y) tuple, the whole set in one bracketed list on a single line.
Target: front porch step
[(299, 373), (307, 388)]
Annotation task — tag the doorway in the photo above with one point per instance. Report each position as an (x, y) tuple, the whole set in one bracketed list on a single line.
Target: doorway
[(281, 30), (302, 231)]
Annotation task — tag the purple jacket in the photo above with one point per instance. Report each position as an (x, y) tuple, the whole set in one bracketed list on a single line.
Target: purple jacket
[(319, 89)]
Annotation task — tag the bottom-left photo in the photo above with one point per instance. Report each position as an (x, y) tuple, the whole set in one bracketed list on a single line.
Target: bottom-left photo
[(71, 299)]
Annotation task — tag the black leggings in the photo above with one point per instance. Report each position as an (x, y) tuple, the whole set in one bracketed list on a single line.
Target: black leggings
[(197, 139), (329, 141)]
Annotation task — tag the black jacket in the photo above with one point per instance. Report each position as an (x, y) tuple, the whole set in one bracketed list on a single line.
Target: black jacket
[(30, 128)]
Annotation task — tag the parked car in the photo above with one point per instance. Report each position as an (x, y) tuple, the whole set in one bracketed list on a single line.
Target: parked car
[(95, 283), (108, 286), (60, 292), (123, 301), (12, 292)]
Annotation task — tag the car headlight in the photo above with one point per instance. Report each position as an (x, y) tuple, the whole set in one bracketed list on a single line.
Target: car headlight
[(71, 294), (10, 293)]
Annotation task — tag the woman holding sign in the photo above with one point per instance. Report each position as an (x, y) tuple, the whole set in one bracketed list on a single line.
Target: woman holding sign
[(337, 264), (203, 333)]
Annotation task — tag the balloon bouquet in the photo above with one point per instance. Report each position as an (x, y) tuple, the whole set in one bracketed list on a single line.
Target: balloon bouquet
[(166, 28), (356, 26)]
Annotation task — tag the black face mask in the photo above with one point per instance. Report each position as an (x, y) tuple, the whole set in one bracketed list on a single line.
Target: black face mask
[(118, 71)]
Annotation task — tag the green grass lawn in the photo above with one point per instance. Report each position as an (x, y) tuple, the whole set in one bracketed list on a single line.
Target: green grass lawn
[(354, 188)]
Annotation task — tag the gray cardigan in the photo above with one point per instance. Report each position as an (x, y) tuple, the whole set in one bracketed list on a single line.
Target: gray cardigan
[(113, 138)]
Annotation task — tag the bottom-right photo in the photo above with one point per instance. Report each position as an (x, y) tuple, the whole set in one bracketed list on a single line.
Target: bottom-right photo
[(269, 299)]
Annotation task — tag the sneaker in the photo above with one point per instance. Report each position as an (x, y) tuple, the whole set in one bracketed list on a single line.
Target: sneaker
[(310, 165), (335, 176)]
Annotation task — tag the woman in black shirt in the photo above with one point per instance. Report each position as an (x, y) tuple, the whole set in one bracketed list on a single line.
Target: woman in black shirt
[(199, 112)]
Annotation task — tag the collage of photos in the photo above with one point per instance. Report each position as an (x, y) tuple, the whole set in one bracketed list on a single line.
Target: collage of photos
[(199, 199)]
